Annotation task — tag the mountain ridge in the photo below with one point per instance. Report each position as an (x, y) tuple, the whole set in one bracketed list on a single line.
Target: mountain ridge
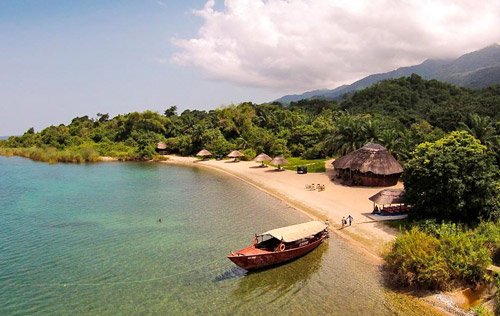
[(477, 69)]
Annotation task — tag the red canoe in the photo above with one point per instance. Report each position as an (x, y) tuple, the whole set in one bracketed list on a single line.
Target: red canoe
[(280, 245)]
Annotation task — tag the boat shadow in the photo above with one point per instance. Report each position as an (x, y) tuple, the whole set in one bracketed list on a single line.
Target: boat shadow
[(232, 273)]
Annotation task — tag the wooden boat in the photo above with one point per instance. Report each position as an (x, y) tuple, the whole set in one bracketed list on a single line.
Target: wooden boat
[(280, 245)]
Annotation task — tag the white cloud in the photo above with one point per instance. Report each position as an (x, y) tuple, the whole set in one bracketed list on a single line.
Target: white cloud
[(307, 44)]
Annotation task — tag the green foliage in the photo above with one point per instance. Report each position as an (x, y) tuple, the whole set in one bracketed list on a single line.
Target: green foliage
[(399, 114), (249, 154), (438, 257), (453, 178), (182, 145), (215, 142), (482, 310), (414, 260), (53, 155)]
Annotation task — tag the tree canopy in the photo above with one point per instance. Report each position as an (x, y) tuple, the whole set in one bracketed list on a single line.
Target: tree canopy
[(398, 113), (453, 178)]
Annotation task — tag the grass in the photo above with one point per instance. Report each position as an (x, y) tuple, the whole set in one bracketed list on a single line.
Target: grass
[(400, 224), (86, 152), (52, 155), (314, 165)]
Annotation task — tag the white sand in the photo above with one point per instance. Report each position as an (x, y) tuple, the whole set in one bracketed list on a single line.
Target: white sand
[(335, 202)]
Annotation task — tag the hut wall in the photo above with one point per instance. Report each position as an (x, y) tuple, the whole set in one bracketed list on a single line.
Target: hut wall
[(369, 180), (161, 151)]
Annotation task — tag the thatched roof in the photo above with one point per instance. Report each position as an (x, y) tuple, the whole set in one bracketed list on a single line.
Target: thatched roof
[(235, 154), (204, 153), (389, 196), (161, 146), (279, 161), (372, 158), (262, 157), (297, 232)]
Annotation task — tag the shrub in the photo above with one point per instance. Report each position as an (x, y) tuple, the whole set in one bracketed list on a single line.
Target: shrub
[(249, 154), (438, 257), (414, 261)]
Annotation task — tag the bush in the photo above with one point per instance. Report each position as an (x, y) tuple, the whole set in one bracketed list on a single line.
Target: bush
[(314, 152), (438, 257), (414, 261), (249, 154)]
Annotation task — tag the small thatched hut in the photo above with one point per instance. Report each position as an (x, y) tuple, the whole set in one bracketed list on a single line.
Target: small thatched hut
[(204, 154), (279, 161), (383, 201), (372, 165), (161, 148), (388, 197)]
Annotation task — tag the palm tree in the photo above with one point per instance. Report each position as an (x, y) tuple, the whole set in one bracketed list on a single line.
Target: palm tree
[(483, 129), (347, 136), (370, 130), (390, 138)]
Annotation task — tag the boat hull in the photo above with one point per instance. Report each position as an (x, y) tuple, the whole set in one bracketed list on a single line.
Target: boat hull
[(251, 258)]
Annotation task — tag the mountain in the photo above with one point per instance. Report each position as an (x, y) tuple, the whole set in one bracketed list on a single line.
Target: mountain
[(478, 69)]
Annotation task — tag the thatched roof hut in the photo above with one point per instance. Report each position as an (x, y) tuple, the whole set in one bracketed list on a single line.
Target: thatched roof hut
[(236, 155), (262, 157), (388, 197), (204, 153), (371, 165), (161, 148), (279, 161)]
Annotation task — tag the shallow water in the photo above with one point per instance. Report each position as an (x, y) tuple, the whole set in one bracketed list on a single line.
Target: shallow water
[(85, 239)]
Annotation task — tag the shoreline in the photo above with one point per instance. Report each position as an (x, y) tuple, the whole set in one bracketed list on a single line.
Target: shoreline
[(440, 303), (443, 303), (364, 234)]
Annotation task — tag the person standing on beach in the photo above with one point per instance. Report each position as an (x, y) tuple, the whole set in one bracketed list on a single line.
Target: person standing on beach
[(343, 222), (349, 218)]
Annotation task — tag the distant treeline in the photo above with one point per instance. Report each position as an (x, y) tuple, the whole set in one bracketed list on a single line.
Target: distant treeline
[(399, 114)]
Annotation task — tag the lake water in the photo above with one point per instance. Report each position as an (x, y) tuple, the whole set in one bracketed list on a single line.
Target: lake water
[(85, 239)]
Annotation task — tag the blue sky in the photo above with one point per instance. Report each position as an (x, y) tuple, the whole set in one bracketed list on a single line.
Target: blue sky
[(62, 59)]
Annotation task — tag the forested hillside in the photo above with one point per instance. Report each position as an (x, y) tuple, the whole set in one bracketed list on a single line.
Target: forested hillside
[(478, 69), (398, 113)]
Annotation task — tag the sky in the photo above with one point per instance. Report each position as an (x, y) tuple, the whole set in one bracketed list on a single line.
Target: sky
[(62, 59)]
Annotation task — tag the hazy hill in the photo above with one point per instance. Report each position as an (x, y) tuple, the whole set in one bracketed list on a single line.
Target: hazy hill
[(478, 69)]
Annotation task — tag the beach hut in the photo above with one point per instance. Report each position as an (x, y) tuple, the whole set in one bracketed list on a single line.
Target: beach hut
[(261, 158), (371, 165), (204, 153), (279, 161), (389, 197), (236, 155), (161, 148)]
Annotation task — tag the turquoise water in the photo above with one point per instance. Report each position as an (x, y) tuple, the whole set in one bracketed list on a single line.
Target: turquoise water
[(85, 239)]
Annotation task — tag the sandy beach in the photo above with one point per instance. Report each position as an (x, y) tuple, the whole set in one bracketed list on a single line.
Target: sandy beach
[(335, 202)]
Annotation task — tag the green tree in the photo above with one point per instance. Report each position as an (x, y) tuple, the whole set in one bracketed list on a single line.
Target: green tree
[(453, 178), (171, 111), (482, 128), (214, 141)]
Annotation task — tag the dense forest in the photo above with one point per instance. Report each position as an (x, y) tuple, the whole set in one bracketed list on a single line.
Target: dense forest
[(399, 114)]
